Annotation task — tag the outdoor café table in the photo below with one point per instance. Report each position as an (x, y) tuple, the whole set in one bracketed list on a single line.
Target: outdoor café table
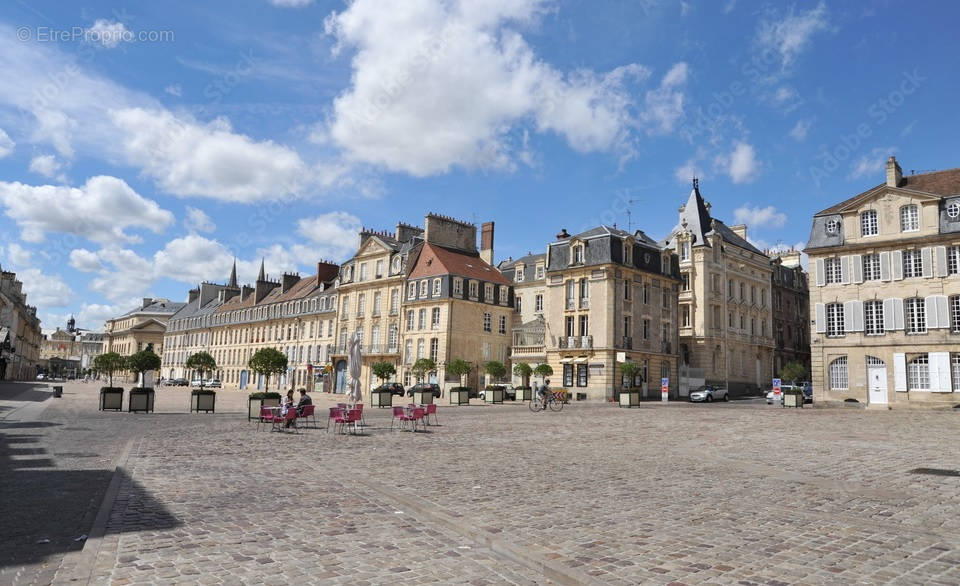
[(276, 424)]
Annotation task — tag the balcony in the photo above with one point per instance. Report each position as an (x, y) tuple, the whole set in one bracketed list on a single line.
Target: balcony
[(627, 342), (394, 311), (584, 303), (571, 342), (571, 303), (528, 351)]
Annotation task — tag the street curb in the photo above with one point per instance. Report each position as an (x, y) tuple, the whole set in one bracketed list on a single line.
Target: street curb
[(533, 560), (81, 564)]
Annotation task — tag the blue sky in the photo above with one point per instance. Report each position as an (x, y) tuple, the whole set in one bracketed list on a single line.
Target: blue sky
[(143, 148)]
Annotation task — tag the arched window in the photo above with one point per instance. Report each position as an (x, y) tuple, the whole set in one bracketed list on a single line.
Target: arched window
[(918, 374), (838, 374)]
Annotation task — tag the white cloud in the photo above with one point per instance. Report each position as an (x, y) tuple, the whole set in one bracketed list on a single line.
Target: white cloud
[(800, 130), (19, 256), (198, 221), (291, 3), (872, 163), (334, 234), (6, 144), (209, 160), (684, 173), (438, 85), (108, 33), (174, 90), (741, 164), (789, 35), (46, 165), (85, 260), (44, 290), (664, 105), (759, 217), (102, 210)]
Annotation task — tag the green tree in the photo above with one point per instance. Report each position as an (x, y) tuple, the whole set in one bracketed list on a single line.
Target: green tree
[(543, 371), (495, 369), (793, 372), (108, 364), (459, 368), (267, 361), (629, 370), (201, 362), (143, 362), (422, 366), (523, 370), (383, 370)]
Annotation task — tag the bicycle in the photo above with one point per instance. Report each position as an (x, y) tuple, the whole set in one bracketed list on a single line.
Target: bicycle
[(554, 400)]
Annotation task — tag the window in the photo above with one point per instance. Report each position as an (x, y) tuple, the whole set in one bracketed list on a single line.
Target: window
[(909, 218), (568, 325), (518, 273), (646, 329), (832, 226), (626, 289), (502, 293), (582, 375), (684, 251), (422, 319), (584, 325), (763, 297), (408, 352), (743, 288), (918, 374), (436, 287), (730, 319), (684, 281), (831, 270), (730, 288), (361, 304), (419, 349), (955, 371), (868, 223), (538, 303), (376, 303), (423, 288), (539, 271), (584, 291), (915, 315), (518, 303), (912, 264), (742, 322), (646, 293), (486, 322), (379, 270), (434, 348), (412, 291), (375, 336), (568, 375), (955, 314), (953, 260), (409, 320), (627, 323), (665, 295), (473, 287), (346, 305), (838, 374), (396, 264), (458, 287), (435, 318), (685, 316), (577, 255), (503, 324), (953, 211), (363, 271), (873, 317), (871, 267), (834, 320), (627, 253)]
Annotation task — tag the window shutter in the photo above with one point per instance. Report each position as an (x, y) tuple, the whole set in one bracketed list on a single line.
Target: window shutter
[(820, 276), (898, 313), (943, 310), (848, 324), (899, 371), (884, 266), (857, 310), (889, 321), (856, 262), (926, 262), (942, 381), (930, 308), (941, 261), (821, 318), (933, 368), (896, 264), (844, 270)]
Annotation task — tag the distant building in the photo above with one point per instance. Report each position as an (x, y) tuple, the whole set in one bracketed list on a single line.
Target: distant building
[(71, 351), (141, 328), (20, 334), (791, 311)]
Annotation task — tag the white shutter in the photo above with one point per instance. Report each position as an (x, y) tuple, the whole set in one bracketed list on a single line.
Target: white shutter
[(889, 323), (856, 262), (926, 262), (940, 378), (941, 264), (898, 313), (943, 310), (844, 270), (821, 281), (848, 324), (821, 317), (933, 369), (884, 266), (899, 371), (896, 264), (930, 309), (857, 310)]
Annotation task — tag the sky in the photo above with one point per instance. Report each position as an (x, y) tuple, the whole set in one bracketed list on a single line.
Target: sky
[(143, 148)]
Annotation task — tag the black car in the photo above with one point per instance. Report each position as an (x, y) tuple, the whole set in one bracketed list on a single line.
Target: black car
[(178, 382), (394, 388), (425, 387)]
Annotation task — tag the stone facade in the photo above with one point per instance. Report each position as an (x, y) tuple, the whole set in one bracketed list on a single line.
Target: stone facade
[(70, 352), (528, 343), (885, 293), (791, 310), (20, 334), (140, 328)]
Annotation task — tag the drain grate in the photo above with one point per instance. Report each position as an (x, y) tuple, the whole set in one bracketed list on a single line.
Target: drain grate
[(935, 471)]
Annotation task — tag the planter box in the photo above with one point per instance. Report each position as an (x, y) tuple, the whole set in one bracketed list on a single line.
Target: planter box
[(111, 398), (381, 398), (206, 401), (792, 399), (494, 395), (423, 397), (459, 397), (254, 405), (524, 394), (629, 398), (141, 401)]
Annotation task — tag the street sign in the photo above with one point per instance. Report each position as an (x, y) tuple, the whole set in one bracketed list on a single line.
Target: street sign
[(776, 387), (664, 389)]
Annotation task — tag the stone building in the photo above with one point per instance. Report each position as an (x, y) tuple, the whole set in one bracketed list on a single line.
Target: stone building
[(70, 352), (527, 345), (791, 310), (141, 328), (726, 321), (20, 334), (885, 292)]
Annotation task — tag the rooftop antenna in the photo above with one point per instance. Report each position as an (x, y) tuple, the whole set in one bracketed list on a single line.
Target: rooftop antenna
[(630, 202)]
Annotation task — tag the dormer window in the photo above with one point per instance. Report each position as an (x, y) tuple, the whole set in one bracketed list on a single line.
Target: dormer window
[(518, 274), (953, 210), (868, 223), (539, 272), (832, 226), (396, 264), (684, 251), (576, 255), (628, 253), (472, 288)]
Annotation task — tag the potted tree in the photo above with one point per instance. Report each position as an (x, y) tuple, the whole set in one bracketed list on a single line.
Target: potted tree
[(793, 372), (494, 393), (630, 395), (202, 399), (111, 397), (420, 369), (382, 396), (265, 361), (523, 370), (460, 368), (142, 398)]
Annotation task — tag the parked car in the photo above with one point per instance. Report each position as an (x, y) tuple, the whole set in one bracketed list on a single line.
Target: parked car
[(783, 389), (41, 376), (425, 387), (709, 394), (509, 393), (177, 382), (213, 383), (394, 388)]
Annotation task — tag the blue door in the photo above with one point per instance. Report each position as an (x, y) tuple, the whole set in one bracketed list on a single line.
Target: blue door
[(341, 369), (243, 379)]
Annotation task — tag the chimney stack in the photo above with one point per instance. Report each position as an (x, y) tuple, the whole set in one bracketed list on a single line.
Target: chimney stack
[(289, 280), (486, 242), (563, 234), (740, 230), (326, 271), (147, 301), (894, 174)]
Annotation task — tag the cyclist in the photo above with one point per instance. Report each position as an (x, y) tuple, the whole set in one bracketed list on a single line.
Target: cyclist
[(542, 392)]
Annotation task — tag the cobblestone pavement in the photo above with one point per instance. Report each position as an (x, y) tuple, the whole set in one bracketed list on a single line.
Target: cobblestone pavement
[(675, 494)]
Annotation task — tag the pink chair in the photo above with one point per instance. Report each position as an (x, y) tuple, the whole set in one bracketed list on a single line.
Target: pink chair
[(266, 416), (281, 422), (398, 415), (333, 416), (359, 407), (418, 415), (308, 413), (432, 410)]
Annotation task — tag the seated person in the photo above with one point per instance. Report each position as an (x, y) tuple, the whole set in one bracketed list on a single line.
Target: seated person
[(304, 401)]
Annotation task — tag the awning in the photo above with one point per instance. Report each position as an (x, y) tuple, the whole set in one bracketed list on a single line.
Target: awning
[(566, 360), (580, 359)]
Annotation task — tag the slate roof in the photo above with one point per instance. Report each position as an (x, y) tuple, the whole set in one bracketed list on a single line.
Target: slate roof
[(158, 306), (529, 262), (432, 260), (701, 224), (940, 183)]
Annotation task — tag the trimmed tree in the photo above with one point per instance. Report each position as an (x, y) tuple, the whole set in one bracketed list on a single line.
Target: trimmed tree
[(793, 371), (142, 362), (267, 361), (629, 370), (543, 371), (523, 370), (495, 369), (459, 368), (202, 362), (108, 364), (422, 366), (383, 370)]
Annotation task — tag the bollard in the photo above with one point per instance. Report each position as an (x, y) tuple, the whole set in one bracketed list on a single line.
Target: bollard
[(58, 391)]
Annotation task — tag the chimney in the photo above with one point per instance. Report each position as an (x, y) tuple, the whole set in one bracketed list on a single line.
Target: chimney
[(289, 280), (894, 174), (740, 230), (192, 295), (148, 300), (563, 234), (245, 292), (326, 271), (486, 242)]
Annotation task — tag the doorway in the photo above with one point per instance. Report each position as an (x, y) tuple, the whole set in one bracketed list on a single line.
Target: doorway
[(877, 381)]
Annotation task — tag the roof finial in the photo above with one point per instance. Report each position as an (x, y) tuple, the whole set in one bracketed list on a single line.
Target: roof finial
[(262, 276), (696, 182), (233, 274)]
